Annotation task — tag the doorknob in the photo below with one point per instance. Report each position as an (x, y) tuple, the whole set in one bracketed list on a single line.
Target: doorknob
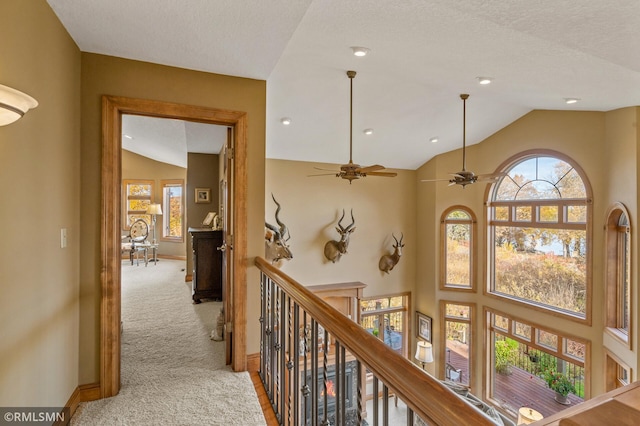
[(222, 248)]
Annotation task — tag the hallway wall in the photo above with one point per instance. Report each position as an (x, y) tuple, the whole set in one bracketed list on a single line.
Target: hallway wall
[(40, 170)]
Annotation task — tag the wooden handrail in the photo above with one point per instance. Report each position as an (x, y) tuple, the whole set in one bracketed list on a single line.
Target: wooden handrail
[(425, 395)]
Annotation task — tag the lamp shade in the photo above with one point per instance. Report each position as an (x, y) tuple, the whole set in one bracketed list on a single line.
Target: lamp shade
[(14, 104), (154, 209), (424, 352), (528, 415)]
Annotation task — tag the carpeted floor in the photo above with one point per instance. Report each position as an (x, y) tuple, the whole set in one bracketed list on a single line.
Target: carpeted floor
[(172, 372)]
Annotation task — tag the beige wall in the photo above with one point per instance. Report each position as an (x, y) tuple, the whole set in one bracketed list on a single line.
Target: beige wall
[(603, 144), (104, 75), (203, 173), (311, 208), (136, 166), (621, 159), (40, 168)]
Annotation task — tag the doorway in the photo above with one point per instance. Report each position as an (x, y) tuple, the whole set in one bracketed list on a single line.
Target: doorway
[(113, 108)]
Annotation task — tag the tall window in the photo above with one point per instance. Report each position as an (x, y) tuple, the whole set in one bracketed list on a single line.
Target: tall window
[(457, 234), (618, 273), (138, 194), (457, 322), (386, 318), (172, 209), (539, 217)]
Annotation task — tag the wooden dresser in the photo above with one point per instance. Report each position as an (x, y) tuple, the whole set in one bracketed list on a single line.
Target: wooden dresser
[(207, 264)]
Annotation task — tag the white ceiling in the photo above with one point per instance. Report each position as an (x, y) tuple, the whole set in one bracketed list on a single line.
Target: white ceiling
[(168, 140), (424, 53)]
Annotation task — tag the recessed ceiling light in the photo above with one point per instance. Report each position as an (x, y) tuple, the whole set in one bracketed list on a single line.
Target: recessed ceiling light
[(285, 120), (571, 100), (484, 80), (368, 131), (433, 139), (360, 51)]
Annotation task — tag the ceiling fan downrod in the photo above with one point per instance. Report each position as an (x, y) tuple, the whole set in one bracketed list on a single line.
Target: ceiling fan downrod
[(351, 75), (464, 98)]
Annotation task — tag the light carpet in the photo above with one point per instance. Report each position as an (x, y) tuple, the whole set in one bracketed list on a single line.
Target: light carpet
[(172, 372)]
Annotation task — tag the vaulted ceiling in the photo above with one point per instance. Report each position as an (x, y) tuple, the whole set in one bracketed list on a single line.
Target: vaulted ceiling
[(422, 55)]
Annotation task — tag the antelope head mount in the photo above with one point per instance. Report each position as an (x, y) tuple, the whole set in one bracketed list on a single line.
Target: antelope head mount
[(333, 249), (275, 243), (388, 261)]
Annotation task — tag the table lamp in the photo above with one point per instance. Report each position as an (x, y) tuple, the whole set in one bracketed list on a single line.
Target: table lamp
[(154, 210), (424, 352)]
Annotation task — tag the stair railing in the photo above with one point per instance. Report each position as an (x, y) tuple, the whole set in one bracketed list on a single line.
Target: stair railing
[(313, 361)]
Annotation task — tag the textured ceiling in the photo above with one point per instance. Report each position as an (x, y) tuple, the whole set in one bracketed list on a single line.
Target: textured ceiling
[(423, 55)]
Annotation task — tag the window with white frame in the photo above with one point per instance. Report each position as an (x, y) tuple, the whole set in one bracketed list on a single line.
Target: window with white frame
[(173, 210), (457, 234), (138, 195), (521, 349), (457, 322), (539, 225), (618, 273)]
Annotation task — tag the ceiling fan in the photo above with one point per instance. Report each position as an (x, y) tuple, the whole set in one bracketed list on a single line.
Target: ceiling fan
[(352, 171), (466, 177)]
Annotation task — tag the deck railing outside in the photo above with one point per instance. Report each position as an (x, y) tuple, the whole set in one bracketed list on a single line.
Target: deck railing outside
[(313, 360)]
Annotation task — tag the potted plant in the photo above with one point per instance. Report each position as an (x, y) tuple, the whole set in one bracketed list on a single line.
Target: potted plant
[(506, 353), (559, 383)]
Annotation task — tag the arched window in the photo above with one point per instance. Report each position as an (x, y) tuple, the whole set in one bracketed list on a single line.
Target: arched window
[(539, 224), (457, 235), (618, 273)]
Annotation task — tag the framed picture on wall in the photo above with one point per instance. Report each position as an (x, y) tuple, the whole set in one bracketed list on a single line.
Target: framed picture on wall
[(203, 195), (423, 326)]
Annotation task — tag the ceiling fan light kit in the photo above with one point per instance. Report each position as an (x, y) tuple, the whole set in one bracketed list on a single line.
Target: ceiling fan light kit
[(466, 177), (352, 171)]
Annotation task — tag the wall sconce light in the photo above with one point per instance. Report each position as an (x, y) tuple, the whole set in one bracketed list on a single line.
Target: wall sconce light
[(14, 104), (424, 352), (154, 210)]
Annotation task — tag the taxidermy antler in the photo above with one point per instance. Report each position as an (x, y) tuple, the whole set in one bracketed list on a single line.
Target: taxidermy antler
[(275, 243), (388, 261), (333, 250)]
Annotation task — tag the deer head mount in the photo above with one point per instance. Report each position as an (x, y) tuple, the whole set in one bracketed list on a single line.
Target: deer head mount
[(389, 261), (334, 250), (275, 243)]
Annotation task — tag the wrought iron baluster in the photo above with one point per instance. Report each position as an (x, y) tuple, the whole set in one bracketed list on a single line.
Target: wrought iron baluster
[(376, 397), (340, 379), (385, 405), (359, 368), (263, 278), (294, 398), (273, 336), (409, 416), (314, 372), (282, 358), (268, 340), (306, 389), (325, 351)]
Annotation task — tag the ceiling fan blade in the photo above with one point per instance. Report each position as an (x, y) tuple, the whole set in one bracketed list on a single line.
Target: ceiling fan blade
[(327, 170), (325, 174), (383, 174), (491, 176), (434, 180), (373, 168)]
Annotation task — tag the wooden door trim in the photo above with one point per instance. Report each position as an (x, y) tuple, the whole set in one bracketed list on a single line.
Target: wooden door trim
[(112, 109)]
